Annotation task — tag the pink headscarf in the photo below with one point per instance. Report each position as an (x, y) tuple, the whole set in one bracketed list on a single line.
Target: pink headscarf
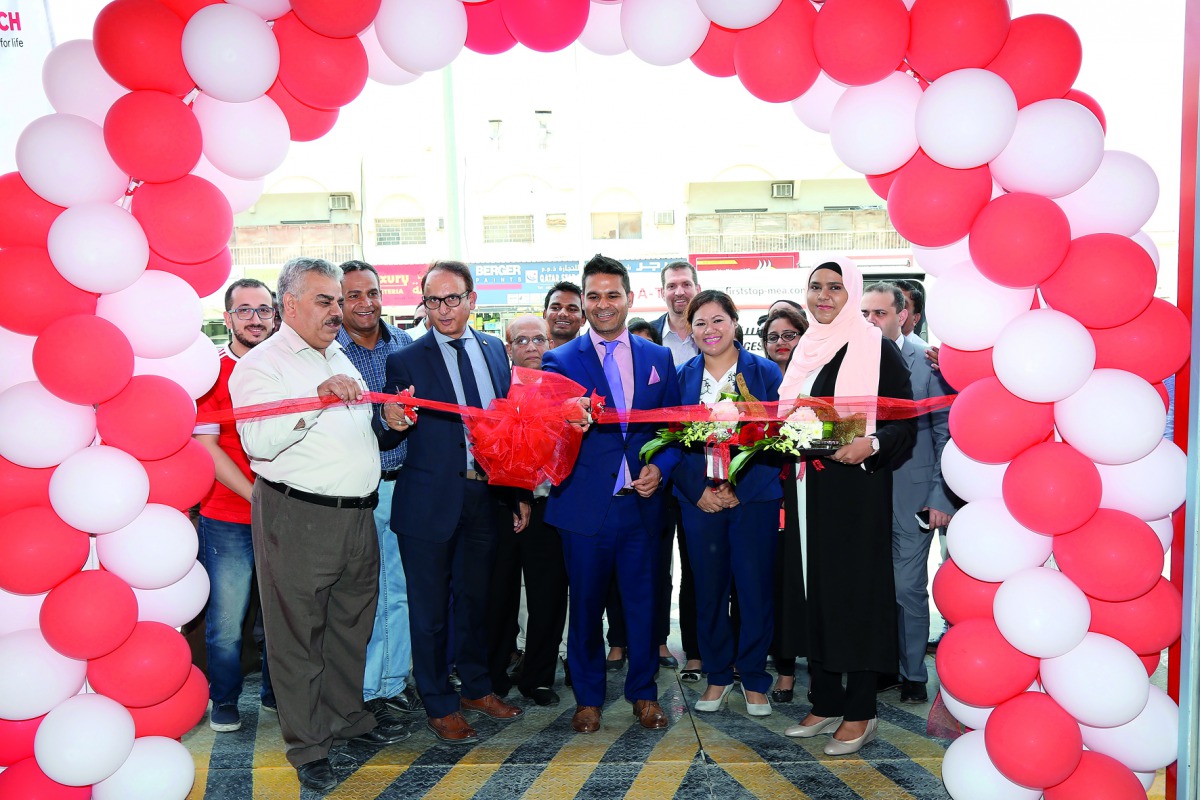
[(859, 372)]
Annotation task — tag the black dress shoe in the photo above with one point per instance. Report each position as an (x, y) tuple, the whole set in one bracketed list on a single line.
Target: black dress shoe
[(885, 682), (913, 692), (615, 665), (407, 702), (670, 662), (382, 735), (317, 775), (782, 695), (542, 696)]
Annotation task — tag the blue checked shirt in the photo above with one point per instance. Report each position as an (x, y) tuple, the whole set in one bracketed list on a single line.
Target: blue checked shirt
[(372, 364)]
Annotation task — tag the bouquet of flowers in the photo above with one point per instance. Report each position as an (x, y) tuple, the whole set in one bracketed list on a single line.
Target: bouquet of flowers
[(807, 431)]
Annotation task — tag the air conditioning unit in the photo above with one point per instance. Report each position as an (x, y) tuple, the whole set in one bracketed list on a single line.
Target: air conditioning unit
[(664, 217), (340, 202), (784, 190)]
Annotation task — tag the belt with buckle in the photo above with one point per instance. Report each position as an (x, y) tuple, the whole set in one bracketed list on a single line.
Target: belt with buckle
[(474, 475), (369, 501), (389, 474), (628, 490)]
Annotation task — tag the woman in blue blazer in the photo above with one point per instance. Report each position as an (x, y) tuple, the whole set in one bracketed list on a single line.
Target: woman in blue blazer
[(731, 530)]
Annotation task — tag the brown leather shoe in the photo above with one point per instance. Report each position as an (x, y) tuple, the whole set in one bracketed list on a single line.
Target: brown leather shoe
[(491, 706), (586, 719), (452, 728), (650, 714)]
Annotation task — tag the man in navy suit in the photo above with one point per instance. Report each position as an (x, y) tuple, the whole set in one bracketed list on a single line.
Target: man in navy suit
[(611, 509), (446, 515), (917, 491)]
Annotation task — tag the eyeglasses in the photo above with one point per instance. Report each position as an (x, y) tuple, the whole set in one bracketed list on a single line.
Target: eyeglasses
[(525, 341), (246, 312), (787, 336), (451, 301)]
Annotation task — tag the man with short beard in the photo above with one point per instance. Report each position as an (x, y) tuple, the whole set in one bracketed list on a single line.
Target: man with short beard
[(563, 312)]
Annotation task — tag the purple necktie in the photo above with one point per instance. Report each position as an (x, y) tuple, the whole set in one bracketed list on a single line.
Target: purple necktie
[(612, 374)]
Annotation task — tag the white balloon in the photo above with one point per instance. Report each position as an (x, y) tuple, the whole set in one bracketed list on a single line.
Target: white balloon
[(970, 479), (1044, 356), (34, 677), (1149, 488), (267, 9), (738, 14), (1041, 612), (873, 128), (99, 489), (39, 429), (1147, 244), (98, 247), (16, 358), (974, 717), (1148, 742), (245, 140), (19, 611), (421, 35), (1056, 148), (1116, 417), (663, 32), (157, 768), (966, 118), (1164, 529), (815, 107), (953, 310), (989, 545), (75, 83), (941, 261), (1101, 682), (230, 52), (602, 33), (1147, 778), (63, 159), (177, 604), (970, 775), (155, 550), (240, 194), (1119, 198), (380, 68), (159, 314), (195, 369), (84, 740)]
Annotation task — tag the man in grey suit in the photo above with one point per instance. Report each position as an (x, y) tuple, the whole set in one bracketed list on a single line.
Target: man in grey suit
[(920, 504)]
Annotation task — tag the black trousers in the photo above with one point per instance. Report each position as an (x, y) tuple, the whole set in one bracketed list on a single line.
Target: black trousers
[(855, 701)]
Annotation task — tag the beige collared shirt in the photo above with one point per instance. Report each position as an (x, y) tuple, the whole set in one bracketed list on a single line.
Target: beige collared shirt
[(335, 452)]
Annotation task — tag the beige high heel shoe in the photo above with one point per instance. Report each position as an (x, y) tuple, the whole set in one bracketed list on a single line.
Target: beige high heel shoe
[(837, 747), (827, 725)]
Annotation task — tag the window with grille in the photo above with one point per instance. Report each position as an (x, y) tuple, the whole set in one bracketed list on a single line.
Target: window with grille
[(408, 230), (499, 230), (617, 225)]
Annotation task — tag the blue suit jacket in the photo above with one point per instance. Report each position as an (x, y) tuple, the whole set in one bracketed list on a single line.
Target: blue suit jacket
[(917, 480), (581, 501), (759, 480), (430, 491)]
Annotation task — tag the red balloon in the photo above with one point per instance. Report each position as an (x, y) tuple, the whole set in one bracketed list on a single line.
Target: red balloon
[(960, 597), (176, 715), (305, 123), (186, 8), (1052, 488), (1114, 556), (486, 31), (31, 278), (961, 368), (16, 739), (338, 19), (932, 205), (148, 667), (1033, 741), (715, 56), (83, 359), (38, 550), (88, 614), (1106, 280), (858, 42), (882, 184), (992, 425), (1146, 624), (27, 217), (207, 277), (1086, 100), (150, 419), (22, 487), (1154, 344), (181, 479), (775, 59), (26, 781), (1019, 239), (153, 136), (1040, 58), (1151, 661), (543, 25), (977, 665), (317, 70), (187, 221), (952, 34), (1098, 777), (139, 43)]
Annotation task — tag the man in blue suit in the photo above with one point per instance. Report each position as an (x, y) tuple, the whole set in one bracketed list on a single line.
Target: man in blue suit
[(920, 503), (444, 512), (610, 510)]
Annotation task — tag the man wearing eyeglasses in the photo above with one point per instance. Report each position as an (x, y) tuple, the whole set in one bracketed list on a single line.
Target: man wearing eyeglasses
[(226, 551), (445, 513)]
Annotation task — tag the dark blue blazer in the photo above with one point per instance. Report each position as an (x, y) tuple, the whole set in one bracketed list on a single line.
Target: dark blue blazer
[(430, 491), (581, 501), (759, 480)]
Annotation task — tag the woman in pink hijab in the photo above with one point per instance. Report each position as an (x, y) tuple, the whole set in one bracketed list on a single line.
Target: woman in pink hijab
[(846, 512)]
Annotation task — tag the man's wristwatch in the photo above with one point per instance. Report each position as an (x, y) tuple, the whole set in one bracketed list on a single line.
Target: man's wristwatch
[(874, 444)]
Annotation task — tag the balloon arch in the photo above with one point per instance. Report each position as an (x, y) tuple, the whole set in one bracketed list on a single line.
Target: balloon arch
[(995, 168)]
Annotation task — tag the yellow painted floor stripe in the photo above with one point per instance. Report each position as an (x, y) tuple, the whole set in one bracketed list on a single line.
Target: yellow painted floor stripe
[(925, 752), (863, 779), (745, 765), (579, 756), (199, 742), (376, 775), (668, 763)]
